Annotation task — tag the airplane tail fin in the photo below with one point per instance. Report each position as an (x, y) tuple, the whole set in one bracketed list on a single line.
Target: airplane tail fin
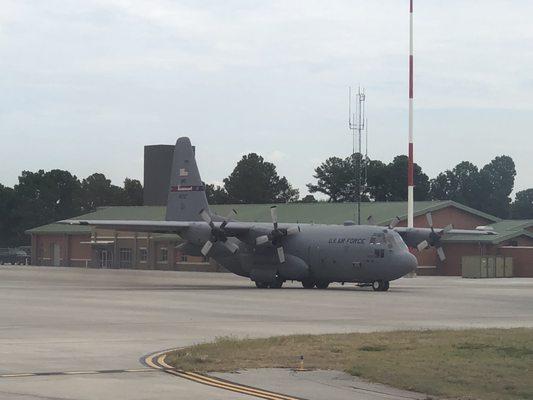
[(186, 195)]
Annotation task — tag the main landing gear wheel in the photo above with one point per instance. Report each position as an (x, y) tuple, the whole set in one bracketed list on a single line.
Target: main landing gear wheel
[(322, 285), (380, 286), (308, 284), (277, 284)]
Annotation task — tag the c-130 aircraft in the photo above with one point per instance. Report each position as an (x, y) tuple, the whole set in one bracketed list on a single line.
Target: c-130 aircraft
[(270, 254)]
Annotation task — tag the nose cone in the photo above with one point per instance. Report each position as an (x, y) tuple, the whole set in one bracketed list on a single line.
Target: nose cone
[(409, 263)]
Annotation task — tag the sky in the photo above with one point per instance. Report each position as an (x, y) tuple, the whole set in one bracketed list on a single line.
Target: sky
[(86, 84)]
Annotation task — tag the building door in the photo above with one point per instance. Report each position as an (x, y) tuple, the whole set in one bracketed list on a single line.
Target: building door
[(105, 258), (56, 259)]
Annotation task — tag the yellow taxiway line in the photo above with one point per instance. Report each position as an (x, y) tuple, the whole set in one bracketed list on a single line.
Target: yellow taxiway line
[(157, 361)]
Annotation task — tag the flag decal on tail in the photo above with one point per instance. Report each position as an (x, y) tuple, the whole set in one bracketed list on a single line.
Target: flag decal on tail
[(184, 172), (174, 189)]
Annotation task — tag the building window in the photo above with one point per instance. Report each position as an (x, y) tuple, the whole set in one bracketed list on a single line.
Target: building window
[(143, 254), (163, 254), (184, 258), (125, 257)]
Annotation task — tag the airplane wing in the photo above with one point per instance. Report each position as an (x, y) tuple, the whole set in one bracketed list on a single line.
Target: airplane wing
[(232, 228), (415, 236)]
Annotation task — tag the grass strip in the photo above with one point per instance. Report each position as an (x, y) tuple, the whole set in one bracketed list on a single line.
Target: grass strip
[(467, 364)]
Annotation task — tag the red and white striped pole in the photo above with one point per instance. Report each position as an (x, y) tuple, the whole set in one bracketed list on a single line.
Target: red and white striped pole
[(410, 168)]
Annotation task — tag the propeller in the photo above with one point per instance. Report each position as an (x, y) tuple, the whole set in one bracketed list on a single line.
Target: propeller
[(394, 222), (218, 234), (434, 238), (276, 235)]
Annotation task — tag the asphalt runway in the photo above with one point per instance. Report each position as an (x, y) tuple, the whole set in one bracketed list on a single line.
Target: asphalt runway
[(87, 330)]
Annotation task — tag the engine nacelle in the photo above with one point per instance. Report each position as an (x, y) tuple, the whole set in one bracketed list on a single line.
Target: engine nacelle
[(294, 268)]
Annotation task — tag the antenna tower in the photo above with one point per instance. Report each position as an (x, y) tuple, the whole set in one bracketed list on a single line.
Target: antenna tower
[(357, 124)]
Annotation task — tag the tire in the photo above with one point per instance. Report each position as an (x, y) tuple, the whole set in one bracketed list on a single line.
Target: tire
[(261, 285), (380, 286), (276, 284), (322, 285), (308, 284)]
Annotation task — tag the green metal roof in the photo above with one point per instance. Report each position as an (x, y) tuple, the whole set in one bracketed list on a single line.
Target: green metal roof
[(319, 213), (504, 229)]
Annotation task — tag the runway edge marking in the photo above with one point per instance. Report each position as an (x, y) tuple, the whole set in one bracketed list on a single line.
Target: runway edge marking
[(157, 361)]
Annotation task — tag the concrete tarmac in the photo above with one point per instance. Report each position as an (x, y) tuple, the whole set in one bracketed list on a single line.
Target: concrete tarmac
[(82, 320)]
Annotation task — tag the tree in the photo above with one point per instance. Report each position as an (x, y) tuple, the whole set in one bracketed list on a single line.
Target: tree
[(522, 207), (216, 194), (98, 192), (334, 177), (497, 183), (255, 180), (461, 184), (337, 178), (43, 197), (133, 192), (309, 199), (396, 180)]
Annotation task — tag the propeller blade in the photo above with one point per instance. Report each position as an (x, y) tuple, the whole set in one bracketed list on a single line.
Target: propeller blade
[(447, 229), (292, 230), (206, 216), (261, 240), (422, 245), (394, 222), (429, 219), (441, 254), (371, 220), (231, 246), (274, 215), (231, 214), (281, 255), (207, 247)]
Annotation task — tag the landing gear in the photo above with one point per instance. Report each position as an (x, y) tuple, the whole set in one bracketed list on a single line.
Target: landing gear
[(277, 284), (308, 284), (322, 285), (380, 286)]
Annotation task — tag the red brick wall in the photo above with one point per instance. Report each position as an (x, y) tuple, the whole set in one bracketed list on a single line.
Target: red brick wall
[(522, 260), (450, 215)]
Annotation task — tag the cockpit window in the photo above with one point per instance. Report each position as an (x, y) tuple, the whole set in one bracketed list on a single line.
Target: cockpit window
[(395, 241), (377, 238)]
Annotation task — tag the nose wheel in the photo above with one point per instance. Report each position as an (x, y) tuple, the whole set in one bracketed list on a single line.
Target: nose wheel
[(380, 286)]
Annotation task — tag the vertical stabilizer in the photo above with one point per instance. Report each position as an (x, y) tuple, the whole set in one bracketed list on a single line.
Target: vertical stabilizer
[(186, 195)]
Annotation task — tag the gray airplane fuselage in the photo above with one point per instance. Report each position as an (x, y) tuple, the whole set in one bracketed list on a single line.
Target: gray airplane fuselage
[(326, 253)]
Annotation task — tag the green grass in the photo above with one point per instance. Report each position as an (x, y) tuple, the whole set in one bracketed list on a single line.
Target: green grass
[(467, 364)]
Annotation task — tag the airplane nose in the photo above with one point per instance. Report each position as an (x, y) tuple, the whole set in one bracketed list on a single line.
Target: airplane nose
[(410, 263)]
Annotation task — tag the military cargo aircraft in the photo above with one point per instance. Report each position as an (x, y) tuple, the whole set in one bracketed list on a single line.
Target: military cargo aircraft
[(270, 254)]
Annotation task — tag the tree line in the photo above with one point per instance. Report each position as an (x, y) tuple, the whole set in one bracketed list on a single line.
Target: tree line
[(43, 197), (487, 189)]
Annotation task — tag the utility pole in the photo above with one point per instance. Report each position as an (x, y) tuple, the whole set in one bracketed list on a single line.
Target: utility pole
[(356, 124)]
